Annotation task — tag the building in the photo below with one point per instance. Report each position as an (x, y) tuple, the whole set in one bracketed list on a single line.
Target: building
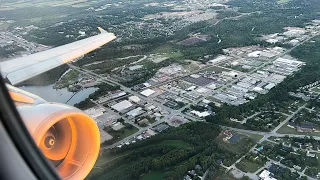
[(254, 54), (122, 105), (305, 128), (218, 59), (269, 86), (231, 73), (95, 112), (136, 67), (200, 114), (288, 62), (135, 112), (266, 175), (134, 99), (161, 127), (147, 92), (212, 86)]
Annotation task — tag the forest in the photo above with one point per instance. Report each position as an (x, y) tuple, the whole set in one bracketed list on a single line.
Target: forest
[(193, 145)]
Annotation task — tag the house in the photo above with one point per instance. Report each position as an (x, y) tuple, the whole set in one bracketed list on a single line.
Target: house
[(305, 128), (310, 155), (266, 175)]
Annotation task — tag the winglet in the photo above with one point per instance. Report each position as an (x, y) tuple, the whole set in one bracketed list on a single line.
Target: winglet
[(102, 30)]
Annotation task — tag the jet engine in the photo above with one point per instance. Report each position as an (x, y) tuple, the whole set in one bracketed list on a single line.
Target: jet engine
[(68, 137)]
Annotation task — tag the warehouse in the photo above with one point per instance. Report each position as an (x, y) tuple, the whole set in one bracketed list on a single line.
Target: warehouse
[(121, 105)]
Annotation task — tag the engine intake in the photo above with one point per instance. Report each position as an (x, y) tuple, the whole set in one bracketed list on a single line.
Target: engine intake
[(69, 138)]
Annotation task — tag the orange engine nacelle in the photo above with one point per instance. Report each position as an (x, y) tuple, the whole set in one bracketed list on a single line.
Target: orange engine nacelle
[(68, 137)]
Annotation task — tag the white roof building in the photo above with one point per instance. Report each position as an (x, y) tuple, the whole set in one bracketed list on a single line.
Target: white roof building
[(147, 92), (146, 84), (95, 112), (132, 68), (134, 99), (206, 101), (212, 86), (218, 59), (254, 54), (191, 88), (135, 112), (122, 105), (202, 90), (258, 89), (270, 86), (200, 114), (235, 63), (265, 175), (289, 62), (272, 40), (196, 76)]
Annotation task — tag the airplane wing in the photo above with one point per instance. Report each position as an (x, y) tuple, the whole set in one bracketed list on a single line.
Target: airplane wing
[(20, 69)]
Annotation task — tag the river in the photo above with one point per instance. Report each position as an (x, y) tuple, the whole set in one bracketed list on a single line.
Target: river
[(50, 94)]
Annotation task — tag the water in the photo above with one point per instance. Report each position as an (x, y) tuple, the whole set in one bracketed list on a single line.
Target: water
[(50, 94)]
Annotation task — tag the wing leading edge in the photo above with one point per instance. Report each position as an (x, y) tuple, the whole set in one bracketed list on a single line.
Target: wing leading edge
[(20, 69)]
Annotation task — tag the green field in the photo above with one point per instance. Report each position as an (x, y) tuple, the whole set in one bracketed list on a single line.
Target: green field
[(248, 166), (239, 147), (255, 137), (174, 55), (122, 133), (165, 48), (287, 130), (216, 69), (224, 177)]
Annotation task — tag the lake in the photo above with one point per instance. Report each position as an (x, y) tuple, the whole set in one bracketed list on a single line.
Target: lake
[(50, 94)]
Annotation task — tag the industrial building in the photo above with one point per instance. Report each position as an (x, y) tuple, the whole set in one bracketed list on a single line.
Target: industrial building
[(122, 105), (147, 92), (134, 99)]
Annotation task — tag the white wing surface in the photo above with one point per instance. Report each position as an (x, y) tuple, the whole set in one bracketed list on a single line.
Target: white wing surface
[(20, 69)]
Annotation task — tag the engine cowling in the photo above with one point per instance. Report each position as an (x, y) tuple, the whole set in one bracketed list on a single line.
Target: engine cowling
[(68, 137)]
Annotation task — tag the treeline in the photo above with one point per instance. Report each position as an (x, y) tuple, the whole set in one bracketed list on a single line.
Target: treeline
[(154, 155)]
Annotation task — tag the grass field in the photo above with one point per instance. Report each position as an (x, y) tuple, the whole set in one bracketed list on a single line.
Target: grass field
[(223, 177), (122, 133), (248, 166), (216, 69), (236, 148), (165, 48), (286, 130), (174, 55), (255, 137)]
